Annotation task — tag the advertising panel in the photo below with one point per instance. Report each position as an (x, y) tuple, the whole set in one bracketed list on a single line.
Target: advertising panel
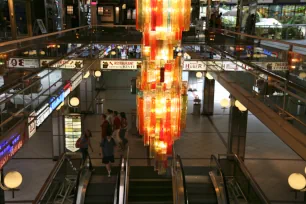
[(23, 63), (120, 65), (31, 124), (273, 66), (72, 131), (65, 63)]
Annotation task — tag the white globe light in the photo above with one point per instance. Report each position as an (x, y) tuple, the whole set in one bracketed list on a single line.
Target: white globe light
[(242, 108), (113, 52), (302, 75), (74, 101), (13, 179), (98, 73), (86, 75), (208, 76), (179, 54), (297, 181), (224, 103), (199, 75)]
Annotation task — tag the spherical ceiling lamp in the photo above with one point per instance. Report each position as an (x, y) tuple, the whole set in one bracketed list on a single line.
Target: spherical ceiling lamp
[(302, 75), (208, 76), (224, 103), (179, 54), (113, 52), (97, 73), (199, 75), (86, 75), (13, 179), (242, 108), (297, 181), (74, 101), (42, 52), (123, 6)]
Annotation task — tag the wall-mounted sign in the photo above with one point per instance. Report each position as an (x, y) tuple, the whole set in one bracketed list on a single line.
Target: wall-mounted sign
[(73, 131), (76, 80), (65, 64), (23, 63), (9, 148), (273, 66), (31, 124), (194, 66), (55, 101), (120, 65)]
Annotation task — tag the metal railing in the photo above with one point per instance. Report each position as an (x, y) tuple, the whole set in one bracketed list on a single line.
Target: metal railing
[(221, 186), (246, 176), (117, 186)]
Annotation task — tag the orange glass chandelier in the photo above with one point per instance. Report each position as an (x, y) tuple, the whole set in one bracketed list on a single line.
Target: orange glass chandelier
[(162, 97)]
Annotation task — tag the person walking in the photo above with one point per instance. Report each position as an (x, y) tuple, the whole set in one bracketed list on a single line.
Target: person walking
[(84, 144), (219, 21), (123, 129), (116, 127), (109, 117), (104, 127), (107, 149)]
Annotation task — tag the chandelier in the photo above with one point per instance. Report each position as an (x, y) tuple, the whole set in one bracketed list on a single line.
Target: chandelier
[(161, 96)]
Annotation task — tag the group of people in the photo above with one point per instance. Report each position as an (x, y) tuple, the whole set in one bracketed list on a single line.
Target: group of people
[(113, 132)]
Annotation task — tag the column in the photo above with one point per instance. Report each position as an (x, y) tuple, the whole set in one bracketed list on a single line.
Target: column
[(239, 15), (208, 96), (29, 18), (12, 19), (93, 8), (58, 133), (2, 195), (238, 121), (86, 95), (208, 13)]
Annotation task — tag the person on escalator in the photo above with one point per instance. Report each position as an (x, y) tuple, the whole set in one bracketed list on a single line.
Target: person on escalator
[(84, 143), (107, 147)]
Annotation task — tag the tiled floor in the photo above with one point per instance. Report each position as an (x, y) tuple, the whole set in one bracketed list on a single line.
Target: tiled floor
[(268, 159)]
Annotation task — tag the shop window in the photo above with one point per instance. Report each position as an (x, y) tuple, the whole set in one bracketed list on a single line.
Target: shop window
[(288, 11), (129, 14), (300, 10), (263, 11), (134, 14), (275, 11)]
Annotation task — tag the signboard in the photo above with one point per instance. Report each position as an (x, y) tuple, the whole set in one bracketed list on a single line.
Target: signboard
[(273, 66), (31, 124), (73, 131), (76, 80), (65, 63), (42, 114), (23, 63), (194, 66), (9, 148), (120, 65)]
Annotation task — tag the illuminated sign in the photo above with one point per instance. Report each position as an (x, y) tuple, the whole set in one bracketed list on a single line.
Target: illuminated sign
[(42, 114), (120, 65), (31, 124), (9, 149), (54, 102), (76, 80), (23, 63), (65, 63)]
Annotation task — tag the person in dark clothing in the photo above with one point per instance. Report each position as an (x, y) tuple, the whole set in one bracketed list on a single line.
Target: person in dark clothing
[(219, 21), (123, 129), (104, 127), (84, 144), (107, 147), (250, 24)]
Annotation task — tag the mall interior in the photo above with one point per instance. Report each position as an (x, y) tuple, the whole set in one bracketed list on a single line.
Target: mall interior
[(213, 93)]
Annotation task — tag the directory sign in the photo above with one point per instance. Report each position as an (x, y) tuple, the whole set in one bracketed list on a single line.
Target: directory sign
[(23, 63), (120, 65)]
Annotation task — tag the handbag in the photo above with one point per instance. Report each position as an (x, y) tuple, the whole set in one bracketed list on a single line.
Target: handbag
[(78, 143)]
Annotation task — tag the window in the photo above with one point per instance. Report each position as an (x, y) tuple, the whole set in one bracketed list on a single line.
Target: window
[(275, 11), (128, 15), (263, 10)]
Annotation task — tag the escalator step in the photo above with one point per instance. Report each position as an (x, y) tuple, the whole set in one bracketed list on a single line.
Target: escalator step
[(101, 170), (196, 170), (147, 190), (99, 199), (100, 189), (145, 172), (151, 197)]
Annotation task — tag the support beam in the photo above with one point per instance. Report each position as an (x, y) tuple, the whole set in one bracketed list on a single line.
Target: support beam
[(29, 18), (239, 15), (58, 132), (12, 19), (208, 96), (237, 129)]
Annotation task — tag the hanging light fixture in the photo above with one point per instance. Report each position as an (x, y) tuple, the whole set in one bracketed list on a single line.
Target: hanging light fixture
[(224, 103), (12, 180), (160, 90), (97, 73), (208, 76), (86, 75)]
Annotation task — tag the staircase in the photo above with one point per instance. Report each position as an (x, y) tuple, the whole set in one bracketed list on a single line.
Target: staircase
[(146, 186), (101, 188), (199, 186)]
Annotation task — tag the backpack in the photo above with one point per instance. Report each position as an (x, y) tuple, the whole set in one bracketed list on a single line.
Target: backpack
[(78, 143)]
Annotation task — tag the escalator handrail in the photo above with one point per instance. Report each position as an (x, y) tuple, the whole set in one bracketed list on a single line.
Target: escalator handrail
[(214, 158), (50, 178), (117, 186), (82, 168), (259, 192), (184, 179), (126, 181)]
